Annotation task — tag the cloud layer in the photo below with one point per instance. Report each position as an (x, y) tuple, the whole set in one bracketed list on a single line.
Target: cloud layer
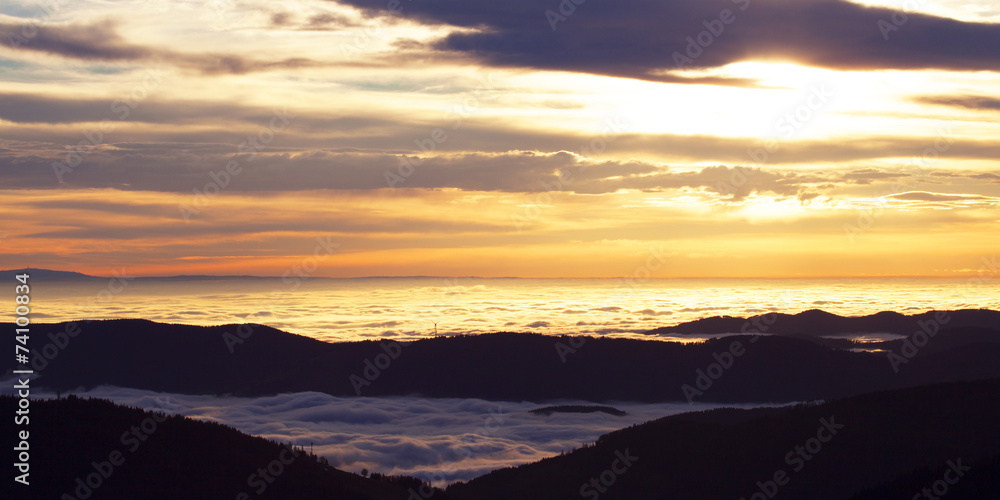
[(638, 39), (439, 440), (99, 41)]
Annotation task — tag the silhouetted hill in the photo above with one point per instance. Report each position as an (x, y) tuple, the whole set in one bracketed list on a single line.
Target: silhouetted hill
[(127, 453), (610, 410), (981, 481), (502, 366), (816, 323), (833, 450)]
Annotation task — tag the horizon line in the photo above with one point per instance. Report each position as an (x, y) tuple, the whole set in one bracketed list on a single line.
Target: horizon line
[(631, 278)]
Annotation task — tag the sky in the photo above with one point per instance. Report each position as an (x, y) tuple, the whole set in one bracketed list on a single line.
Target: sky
[(581, 138)]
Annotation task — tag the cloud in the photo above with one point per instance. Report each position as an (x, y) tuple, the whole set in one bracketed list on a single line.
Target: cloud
[(328, 21), (926, 196), (108, 207), (33, 108), (450, 439), (99, 41), (639, 39), (979, 103), (989, 176), (127, 167), (867, 175), (651, 312)]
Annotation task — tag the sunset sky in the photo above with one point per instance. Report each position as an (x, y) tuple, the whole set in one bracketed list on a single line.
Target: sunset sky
[(516, 138)]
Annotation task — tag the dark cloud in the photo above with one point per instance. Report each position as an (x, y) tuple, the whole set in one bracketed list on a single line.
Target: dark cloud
[(324, 21), (513, 171), (638, 39), (328, 21), (280, 18), (926, 196), (100, 41), (868, 175), (980, 103), (651, 312), (33, 108), (144, 209), (986, 176)]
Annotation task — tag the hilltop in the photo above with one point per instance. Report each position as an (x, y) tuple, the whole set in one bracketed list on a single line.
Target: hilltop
[(250, 360), (885, 445)]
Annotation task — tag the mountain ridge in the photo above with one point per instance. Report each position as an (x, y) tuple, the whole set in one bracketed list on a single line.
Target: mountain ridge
[(253, 360), (840, 449), (816, 322)]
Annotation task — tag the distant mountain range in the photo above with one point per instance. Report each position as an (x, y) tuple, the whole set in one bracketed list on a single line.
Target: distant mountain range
[(8, 275), (251, 360), (816, 323), (61, 276), (64, 276)]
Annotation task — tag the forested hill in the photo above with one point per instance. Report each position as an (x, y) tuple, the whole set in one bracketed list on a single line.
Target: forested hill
[(92, 448), (257, 360)]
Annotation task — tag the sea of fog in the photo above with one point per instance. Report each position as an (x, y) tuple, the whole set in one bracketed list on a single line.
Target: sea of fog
[(438, 440), (445, 440), (403, 308)]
